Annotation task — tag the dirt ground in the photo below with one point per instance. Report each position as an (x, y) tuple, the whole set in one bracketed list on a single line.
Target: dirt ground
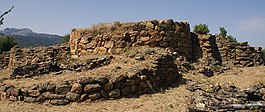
[(173, 99)]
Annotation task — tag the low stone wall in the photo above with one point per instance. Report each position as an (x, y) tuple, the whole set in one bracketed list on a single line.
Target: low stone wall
[(239, 54), (4, 59), (114, 38), (142, 81), (211, 50), (29, 62)]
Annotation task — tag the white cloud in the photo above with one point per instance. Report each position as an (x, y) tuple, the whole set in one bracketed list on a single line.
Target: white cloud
[(256, 24)]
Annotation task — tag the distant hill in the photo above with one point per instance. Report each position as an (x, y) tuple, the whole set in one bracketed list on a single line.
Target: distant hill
[(26, 37)]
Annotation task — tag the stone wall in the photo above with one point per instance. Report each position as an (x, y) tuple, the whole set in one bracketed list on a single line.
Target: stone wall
[(29, 62), (113, 38), (212, 50), (4, 59), (239, 54), (142, 81)]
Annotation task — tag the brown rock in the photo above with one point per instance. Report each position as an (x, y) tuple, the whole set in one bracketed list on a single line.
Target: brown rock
[(34, 93), (83, 97), (59, 102), (142, 85), (72, 96), (94, 96), (30, 100), (62, 88), (114, 93), (117, 78), (76, 88), (14, 92), (144, 39), (3, 96), (129, 82), (12, 98), (104, 93), (92, 88), (50, 96), (108, 86), (133, 88), (101, 79), (86, 80), (125, 90)]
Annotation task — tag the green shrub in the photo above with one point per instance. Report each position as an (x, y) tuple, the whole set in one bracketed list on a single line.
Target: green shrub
[(231, 39), (65, 38), (223, 32), (201, 29), (6, 43)]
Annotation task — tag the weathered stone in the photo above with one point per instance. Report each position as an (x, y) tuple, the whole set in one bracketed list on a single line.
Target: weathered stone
[(94, 96), (3, 96), (14, 92), (101, 79), (76, 88), (133, 88), (143, 77), (104, 93), (12, 98), (114, 93), (119, 85), (92, 88), (129, 82), (84, 97), (72, 96), (86, 80), (62, 89), (142, 85), (30, 100), (117, 79), (34, 93), (125, 90), (59, 102), (108, 86), (50, 96), (51, 87)]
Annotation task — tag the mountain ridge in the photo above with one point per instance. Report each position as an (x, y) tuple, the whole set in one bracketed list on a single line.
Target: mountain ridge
[(27, 37)]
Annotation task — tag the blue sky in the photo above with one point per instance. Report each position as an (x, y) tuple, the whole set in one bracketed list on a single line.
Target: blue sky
[(244, 19)]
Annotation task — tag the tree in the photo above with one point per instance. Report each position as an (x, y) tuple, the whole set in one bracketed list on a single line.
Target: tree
[(65, 38), (223, 32), (6, 43), (201, 29), (2, 15)]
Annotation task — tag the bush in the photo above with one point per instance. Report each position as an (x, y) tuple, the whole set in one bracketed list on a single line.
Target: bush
[(6, 43), (231, 39), (201, 29), (65, 38), (223, 32)]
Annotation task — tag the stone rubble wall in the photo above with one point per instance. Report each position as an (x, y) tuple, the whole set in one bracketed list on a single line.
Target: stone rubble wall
[(239, 54), (143, 81), (4, 59), (113, 38), (212, 50), (29, 62)]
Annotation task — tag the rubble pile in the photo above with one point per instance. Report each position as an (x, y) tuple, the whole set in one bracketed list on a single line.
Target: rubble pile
[(210, 97)]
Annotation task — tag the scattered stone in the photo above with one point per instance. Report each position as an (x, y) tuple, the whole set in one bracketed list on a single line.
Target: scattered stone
[(59, 102), (62, 88), (34, 93), (94, 96), (108, 86)]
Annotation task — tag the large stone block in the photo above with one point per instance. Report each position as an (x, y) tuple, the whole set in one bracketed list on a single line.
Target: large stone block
[(92, 88)]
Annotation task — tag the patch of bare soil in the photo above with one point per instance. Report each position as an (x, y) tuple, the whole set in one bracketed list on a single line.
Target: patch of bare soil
[(174, 99)]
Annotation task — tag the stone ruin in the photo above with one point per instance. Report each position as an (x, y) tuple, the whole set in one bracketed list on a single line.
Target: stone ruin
[(133, 59)]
